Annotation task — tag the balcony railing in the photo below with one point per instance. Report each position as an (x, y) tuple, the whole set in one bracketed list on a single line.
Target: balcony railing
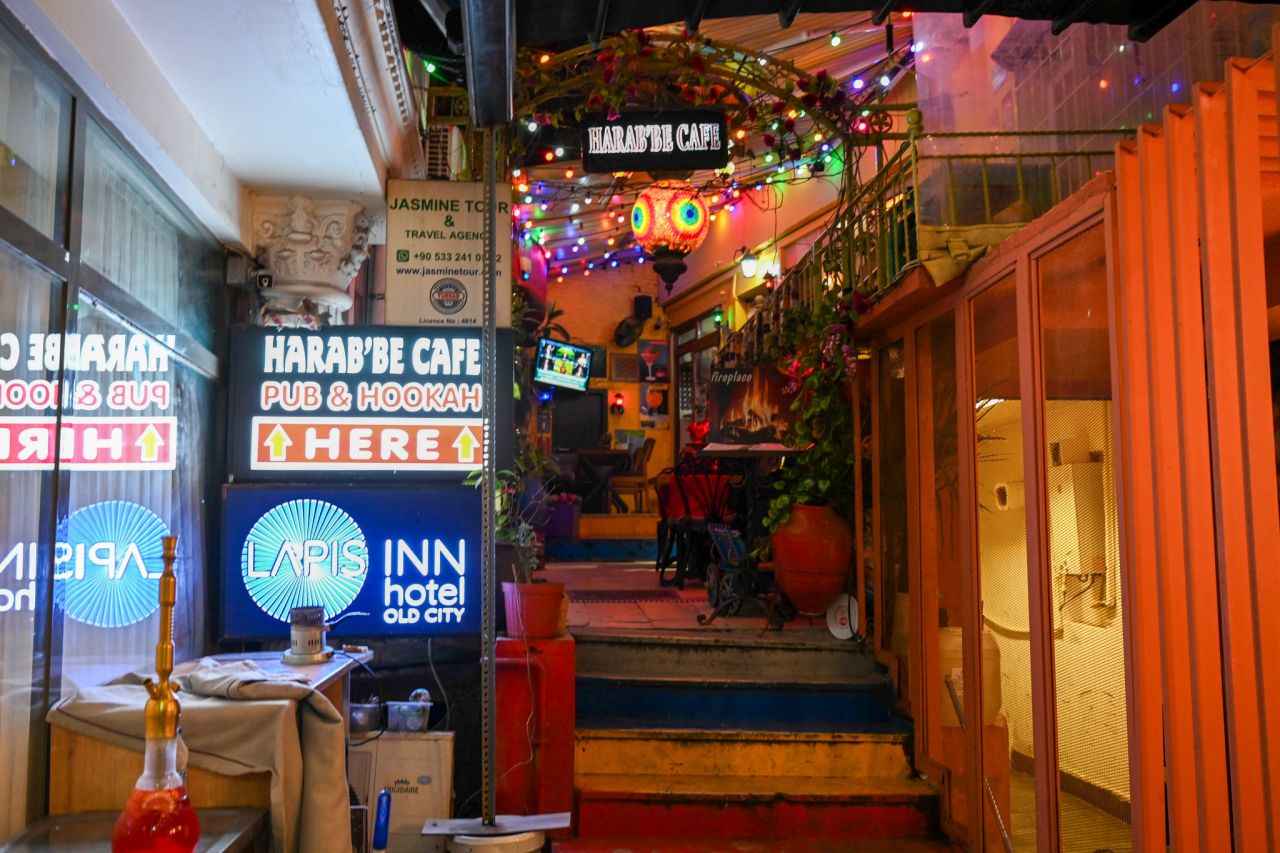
[(938, 202)]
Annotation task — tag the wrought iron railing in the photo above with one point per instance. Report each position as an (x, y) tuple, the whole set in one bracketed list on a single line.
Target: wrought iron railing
[(938, 201)]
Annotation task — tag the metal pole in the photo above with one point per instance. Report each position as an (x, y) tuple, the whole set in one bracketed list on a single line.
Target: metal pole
[(488, 576)]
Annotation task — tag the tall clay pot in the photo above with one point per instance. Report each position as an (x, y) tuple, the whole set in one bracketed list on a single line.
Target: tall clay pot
[(532, 609), (811, 557)]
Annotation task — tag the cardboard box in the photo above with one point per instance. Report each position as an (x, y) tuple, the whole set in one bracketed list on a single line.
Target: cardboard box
[(417, 768)]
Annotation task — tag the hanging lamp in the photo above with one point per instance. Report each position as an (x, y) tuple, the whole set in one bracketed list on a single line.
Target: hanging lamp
[(669, 220)]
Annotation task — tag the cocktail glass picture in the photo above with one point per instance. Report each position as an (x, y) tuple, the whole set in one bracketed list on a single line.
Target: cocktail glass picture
[(654, 356), (650, 355)]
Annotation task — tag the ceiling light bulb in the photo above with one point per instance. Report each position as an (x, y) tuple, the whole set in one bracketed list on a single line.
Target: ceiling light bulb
[(748, 264), (835, 39), (885, 80), (559, 151), (533, 126)]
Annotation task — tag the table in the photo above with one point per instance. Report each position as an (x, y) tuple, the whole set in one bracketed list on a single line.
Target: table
[(725, 598), (596, 465), (752, 454), (221, 831), (116, 768)]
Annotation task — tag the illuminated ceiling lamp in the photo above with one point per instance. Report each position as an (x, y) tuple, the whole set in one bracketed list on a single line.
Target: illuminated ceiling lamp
[(748, 262), (669, 220)]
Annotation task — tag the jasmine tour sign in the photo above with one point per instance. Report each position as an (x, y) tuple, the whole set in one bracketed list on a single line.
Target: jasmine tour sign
[(435, 253), (655, 141)]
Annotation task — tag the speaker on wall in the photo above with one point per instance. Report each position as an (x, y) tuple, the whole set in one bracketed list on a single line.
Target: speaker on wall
[(642, 307)]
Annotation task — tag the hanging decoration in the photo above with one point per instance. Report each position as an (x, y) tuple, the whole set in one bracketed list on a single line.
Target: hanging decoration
[(669, 220)]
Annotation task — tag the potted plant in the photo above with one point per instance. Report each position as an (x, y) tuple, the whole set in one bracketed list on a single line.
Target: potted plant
[(810, 512), (531, 604)]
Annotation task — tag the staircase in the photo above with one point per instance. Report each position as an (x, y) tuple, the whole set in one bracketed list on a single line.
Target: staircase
[(705, 742)]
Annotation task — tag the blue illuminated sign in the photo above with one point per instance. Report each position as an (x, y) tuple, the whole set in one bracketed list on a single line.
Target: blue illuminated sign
[(107, 563), (304, 552), (408, 556)]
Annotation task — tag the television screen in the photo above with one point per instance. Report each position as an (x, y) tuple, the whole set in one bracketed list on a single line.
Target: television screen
[(565, 365)]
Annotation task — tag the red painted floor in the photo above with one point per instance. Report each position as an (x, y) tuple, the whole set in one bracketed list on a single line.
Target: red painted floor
[(671, 616)]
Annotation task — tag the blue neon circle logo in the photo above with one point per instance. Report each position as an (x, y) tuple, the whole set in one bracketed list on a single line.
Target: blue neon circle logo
[(108, 563), (304, 553)]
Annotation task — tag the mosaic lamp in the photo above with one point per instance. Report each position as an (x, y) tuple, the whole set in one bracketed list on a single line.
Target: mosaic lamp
[(669, 220)]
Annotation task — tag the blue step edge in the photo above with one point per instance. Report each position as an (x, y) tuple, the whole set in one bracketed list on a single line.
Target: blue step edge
[(602, 550), (619, 703)]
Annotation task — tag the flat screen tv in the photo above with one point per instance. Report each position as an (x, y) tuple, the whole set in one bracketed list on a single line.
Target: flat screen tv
[(561, 364)]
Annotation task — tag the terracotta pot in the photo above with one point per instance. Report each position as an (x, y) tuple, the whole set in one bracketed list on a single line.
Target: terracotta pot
[(533, 609), (811, 557)]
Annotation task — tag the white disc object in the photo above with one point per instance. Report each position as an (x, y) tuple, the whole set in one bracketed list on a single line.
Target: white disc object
[(842, 617)]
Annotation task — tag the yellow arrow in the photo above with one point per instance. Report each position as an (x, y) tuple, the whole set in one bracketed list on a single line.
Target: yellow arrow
[(150, 442), (466, 444), (277, 441)]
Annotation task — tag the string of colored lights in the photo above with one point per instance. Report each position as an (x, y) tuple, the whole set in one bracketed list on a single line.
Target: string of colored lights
[(537, 199)]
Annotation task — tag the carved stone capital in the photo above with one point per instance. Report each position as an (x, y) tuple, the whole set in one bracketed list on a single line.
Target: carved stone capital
[(312, 247)]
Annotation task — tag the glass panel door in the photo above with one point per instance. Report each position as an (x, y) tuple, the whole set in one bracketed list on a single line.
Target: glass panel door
[(942, 579), (1008, 744), (1084, 548), (894, 612)]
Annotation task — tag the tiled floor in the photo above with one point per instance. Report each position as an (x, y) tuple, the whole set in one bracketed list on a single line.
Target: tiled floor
[(1085, 829), (671, 616)]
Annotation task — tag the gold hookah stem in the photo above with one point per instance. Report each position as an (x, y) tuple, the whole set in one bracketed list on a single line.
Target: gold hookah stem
[(162, 708)]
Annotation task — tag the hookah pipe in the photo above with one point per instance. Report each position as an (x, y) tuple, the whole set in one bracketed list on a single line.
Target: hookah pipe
[(162, 708)]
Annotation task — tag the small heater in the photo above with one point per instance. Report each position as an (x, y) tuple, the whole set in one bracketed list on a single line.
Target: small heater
[(307, 628)]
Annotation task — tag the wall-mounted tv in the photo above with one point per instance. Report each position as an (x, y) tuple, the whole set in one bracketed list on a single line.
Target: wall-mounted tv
[(561, 364)]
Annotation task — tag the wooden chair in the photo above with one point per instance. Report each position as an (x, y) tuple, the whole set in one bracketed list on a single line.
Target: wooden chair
[(633, 481)]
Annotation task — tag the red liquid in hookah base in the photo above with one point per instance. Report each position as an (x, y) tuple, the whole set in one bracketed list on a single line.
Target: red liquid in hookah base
[(156, 822)]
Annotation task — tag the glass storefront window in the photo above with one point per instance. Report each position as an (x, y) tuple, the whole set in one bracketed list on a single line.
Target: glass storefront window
[(115, 517), (79, 536), (135, 237), (35, 116), (26, 297)]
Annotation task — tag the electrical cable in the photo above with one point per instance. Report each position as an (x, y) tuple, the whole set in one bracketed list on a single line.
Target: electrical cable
[(448, 708)]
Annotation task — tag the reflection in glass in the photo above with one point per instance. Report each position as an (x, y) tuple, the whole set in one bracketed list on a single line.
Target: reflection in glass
[(139, 240), (1084, 557), (108, 511), (34, 124), (24, 310), (1008, 744), (894, 605), (942, 574)]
